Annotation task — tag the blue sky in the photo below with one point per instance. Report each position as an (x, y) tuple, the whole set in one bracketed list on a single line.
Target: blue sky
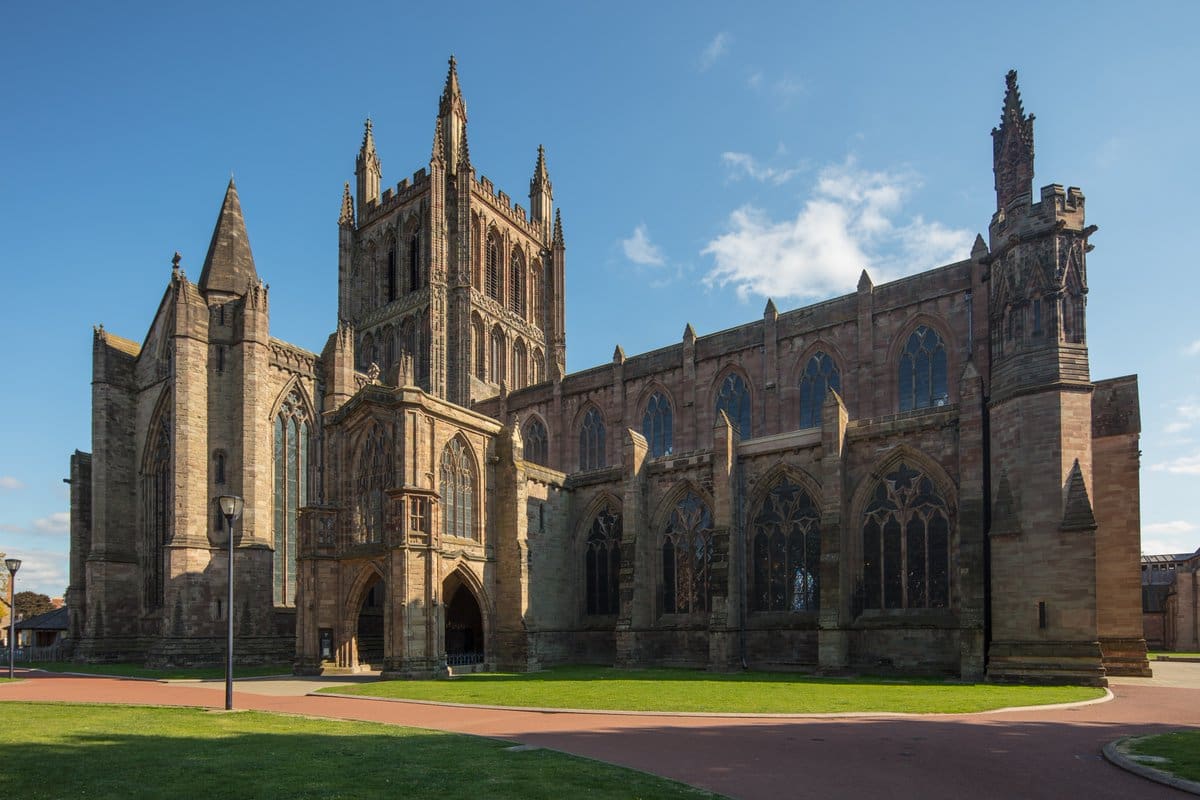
[(703, 155)]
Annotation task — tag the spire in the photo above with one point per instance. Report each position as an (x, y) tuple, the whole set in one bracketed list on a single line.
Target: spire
[(558, 234), (229, 265), (452, 116), (541, 176), (541, 193), (347, 215), (368, 142), (1012, 147)]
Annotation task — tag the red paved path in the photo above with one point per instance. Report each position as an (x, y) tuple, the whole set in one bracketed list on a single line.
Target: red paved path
[(1023, 754)]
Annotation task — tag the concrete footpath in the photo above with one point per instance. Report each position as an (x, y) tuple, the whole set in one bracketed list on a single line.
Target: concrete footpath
[(1053, 753)]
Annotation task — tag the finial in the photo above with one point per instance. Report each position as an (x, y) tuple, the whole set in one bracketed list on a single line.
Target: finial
[(689, 333), (558, 231), (619, 355), (175, 259), (439, 146)]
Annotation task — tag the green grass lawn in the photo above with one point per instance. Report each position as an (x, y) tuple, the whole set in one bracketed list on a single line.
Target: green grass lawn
[(139, 671), (694, 690), (1181, 749), (1156, 653), (56, 750)]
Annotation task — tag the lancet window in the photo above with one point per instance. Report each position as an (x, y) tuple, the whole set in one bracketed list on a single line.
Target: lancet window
[(656, 425), (292, 442), (374, 475), (591, 440), (156, 494), (537, 444), (734, 400), (516, 284)]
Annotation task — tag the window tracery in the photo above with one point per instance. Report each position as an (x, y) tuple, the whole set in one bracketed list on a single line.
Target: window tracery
[(458, 491), (156, 494), (657, 424), (516, 284), (906, 543), (374, 475), (602, 562), (687, 551), (734, 400), (820, 375), (785, 542), (591, 440), (537, 443), (922, 382)]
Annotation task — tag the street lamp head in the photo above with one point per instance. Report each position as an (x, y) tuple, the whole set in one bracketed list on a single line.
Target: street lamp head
[(231, 506), (13, 565)]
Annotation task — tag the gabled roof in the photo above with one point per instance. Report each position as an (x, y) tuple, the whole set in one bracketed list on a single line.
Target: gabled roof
[(55, 620)]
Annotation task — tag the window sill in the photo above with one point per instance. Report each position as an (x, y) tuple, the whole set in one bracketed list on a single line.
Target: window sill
[(908, 618)]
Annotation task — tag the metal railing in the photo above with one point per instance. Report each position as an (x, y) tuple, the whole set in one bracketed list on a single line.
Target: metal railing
[(463, 659)]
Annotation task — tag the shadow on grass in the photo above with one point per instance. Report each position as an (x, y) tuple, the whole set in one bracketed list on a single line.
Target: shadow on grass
[(56, 750)]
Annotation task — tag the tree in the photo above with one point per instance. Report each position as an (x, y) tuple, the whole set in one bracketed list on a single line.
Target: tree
[(30, 604)]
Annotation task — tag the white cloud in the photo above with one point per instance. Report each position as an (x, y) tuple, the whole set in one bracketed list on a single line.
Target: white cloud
[(783, 89), (1174, 526), (851, 221), (7, 528), (1192, 349), (640, 250), (745, 165), (42, 571), (10, 483), (1186, 416), (718, 47), (1184, 465), (1176, 536), (58, 522)]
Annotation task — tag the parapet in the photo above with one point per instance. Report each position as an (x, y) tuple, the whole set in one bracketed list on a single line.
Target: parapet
[(1115, 407)]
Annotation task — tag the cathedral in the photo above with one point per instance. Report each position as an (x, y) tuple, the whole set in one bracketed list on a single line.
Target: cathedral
[(919, 476)]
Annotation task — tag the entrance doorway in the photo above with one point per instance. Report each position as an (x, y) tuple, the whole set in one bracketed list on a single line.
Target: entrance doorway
[(369, 632), (464, 628)]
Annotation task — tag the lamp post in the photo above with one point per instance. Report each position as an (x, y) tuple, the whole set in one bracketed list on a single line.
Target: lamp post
[(13, 565), (231, 509)]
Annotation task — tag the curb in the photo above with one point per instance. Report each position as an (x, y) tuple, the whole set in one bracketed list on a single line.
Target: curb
[(1114, 755), (1108, 695)]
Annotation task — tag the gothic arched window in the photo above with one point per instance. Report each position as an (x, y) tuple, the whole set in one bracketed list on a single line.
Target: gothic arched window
[(535, 294), (820, 375), (538, 359), (498, 354), (687, 551), (537, 443), (656, 425), (391, 273), (374, 475), (520, 365), (493, 267), (591, 440), (923, 370), (602, 562), (734, 400), (785, 546), (414, 262), (906, 543), (516, 284), (291, 493), (480, 348), (458, 491), (156, 493)]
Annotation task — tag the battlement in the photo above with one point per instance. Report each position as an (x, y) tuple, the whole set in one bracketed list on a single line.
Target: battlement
[(1056, 205), (502, 203), (404, 193)]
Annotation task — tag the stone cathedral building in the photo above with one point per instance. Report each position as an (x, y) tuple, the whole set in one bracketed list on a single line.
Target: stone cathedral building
[(921, 475)]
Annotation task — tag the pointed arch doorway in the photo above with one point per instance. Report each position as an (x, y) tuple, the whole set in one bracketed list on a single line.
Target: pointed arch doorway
[(464, 637), (368, 632)]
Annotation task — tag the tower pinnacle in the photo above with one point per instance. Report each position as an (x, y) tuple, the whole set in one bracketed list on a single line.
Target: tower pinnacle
[(1012, 147), (229, 265), (347, 215), (367, 170), (541, 193), (452, 115)]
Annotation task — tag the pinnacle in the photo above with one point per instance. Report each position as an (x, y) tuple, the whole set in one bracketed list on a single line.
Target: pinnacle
[(347, 215), (368, 142), (452, 92), (558, 231), (229, 265), (980, 247), (439, 146)]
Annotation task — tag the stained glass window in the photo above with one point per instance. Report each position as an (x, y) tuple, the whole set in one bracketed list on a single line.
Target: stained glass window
[(292, 442), (493, 268), (687, 551), (923, 370), (591, 440), (820, 375), (374, 475), (537, 447), (458, 491), (516, 284), (734, 400), (156, 483), (906, 543), (656, 425), (786, 551), (602, 562)]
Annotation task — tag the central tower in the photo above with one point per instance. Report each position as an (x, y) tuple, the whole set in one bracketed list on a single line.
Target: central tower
[(447, 284)]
